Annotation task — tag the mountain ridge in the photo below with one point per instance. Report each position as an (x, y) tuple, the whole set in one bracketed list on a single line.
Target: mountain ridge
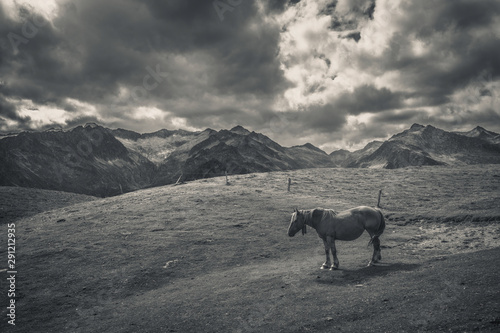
[(428, 145), (87, 160), (95, 160), (482, 133)]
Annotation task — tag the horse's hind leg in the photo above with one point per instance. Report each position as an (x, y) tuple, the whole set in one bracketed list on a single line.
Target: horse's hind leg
[(334, 254), (376, 250)]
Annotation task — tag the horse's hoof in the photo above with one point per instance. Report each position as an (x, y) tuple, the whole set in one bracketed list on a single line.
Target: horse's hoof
[(334, 268), (324, 266)]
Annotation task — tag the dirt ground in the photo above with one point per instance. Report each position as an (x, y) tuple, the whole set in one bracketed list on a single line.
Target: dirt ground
[(211, 257)]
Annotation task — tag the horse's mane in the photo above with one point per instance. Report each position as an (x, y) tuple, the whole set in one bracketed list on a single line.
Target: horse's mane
[(316, 215)]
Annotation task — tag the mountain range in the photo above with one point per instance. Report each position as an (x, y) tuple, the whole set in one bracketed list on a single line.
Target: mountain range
[(95, 160), (428, 145)]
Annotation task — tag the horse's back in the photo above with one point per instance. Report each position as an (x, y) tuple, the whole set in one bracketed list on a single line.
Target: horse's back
[(350, 224), (343, 225), (359, 212)]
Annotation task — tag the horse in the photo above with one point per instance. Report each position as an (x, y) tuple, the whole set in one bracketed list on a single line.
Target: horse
[(347, 225)]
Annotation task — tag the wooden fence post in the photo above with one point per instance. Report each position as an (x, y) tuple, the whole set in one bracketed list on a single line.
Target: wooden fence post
[(289, 182), (227, 180), (379, 195)]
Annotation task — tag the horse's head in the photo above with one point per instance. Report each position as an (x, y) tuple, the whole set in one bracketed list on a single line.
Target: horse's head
[(297, 223)]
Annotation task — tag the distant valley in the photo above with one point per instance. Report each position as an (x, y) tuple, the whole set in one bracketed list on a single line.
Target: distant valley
[(98, 161)]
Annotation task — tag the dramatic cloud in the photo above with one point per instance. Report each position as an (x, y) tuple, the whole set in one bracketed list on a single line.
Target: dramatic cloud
[(387, 64), (335, 73)]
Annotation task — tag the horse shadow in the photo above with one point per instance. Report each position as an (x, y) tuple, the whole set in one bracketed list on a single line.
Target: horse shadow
[(359, 276)]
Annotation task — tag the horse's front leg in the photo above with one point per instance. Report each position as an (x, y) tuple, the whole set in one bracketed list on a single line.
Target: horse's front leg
[(331, 240), (327, 263)]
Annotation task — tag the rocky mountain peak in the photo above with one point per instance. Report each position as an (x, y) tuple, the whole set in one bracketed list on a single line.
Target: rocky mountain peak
[(91, 125), (480, 129), (416, 127), (482, 133), (239, 130), (373, 144), (312, 147)]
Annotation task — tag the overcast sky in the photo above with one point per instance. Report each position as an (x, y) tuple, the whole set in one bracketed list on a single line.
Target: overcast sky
[(337, 74)]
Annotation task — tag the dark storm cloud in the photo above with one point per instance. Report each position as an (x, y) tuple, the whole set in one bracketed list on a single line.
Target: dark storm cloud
[(340, 23), (351, 13), (356, 36), (459, 15), (435, 78), (367, 98), (227, 117), (315, 119), (92, 48), (80, 120), (205, 68), (323, 118), (31, 66), (276, 6), (459, 43), (57, 62), (330, 118), (329, 9), (466, 119), (396, 116), (8, 111), (247, 63)]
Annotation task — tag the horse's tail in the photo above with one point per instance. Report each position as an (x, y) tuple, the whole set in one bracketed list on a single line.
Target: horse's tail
[(381, 227)]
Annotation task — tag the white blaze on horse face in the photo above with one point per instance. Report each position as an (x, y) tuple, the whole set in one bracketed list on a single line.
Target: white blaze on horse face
[(293, 223)]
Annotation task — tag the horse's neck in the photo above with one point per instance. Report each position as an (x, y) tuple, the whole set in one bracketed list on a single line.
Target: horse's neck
[(308, 218)]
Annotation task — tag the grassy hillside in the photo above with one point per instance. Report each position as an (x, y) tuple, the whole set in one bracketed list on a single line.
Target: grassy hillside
[(210, 257), (19, 202)]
